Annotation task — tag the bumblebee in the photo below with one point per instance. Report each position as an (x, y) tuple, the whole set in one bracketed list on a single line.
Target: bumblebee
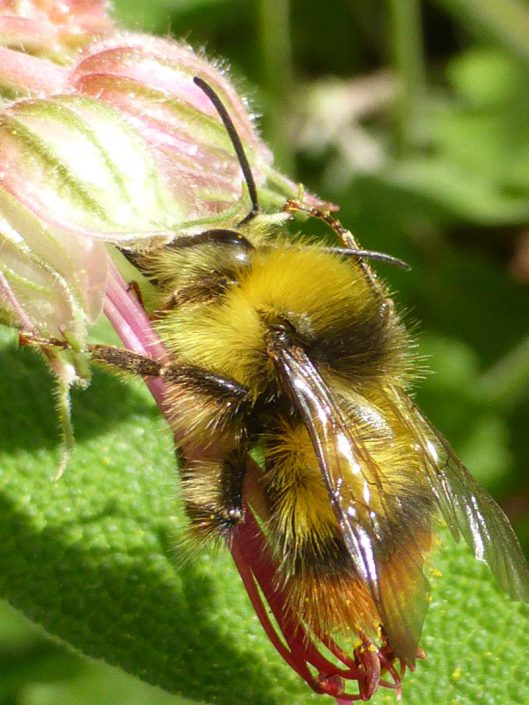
[(293, 354)]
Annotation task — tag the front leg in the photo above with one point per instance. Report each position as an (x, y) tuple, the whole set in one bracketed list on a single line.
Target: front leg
[(125, 360), (207, 413), (109, 355)]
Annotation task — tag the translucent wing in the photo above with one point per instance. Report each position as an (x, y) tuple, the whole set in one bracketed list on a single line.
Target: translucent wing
[(385, 528), (467, 508)]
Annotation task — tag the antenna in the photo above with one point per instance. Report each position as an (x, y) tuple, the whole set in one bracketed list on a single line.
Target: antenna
[(237, 145), (370, 254)]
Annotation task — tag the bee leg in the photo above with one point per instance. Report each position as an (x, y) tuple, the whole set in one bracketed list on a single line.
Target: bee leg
[(26, 338), (212, 489), (126, 360), (205, 410), (134, 288), (209, 418), (109, 355), (214, 405), (345, 236), (136, 363)]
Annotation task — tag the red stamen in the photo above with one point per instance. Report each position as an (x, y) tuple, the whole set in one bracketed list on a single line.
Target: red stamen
[(291, 639), (244, 553)]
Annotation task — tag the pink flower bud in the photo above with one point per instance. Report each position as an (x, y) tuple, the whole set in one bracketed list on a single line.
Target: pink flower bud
[(74, 174), (52, 29), (150, 81), (38, 39)]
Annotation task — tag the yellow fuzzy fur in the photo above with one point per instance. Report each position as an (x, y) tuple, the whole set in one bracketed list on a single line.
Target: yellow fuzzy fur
[(307, 285)]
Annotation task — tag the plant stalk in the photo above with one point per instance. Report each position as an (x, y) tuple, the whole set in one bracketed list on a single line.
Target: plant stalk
[(278, 76), (406, 39), (505, 21)]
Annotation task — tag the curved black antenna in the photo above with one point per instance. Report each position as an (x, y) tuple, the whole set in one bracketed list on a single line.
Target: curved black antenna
[(370, 254), (237, 145)]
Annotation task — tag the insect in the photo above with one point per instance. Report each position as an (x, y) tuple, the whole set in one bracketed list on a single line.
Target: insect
[(294, 353)]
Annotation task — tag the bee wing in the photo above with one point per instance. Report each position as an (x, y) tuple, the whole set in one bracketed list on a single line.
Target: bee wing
[(467, 508), (379, 528)]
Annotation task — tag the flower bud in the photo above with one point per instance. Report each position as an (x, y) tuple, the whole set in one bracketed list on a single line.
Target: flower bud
[(52, 29), (39, 38), (50, 286), (74, 175), (150, 81)]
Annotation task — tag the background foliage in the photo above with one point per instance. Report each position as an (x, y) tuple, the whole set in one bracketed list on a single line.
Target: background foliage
[(419, 129)]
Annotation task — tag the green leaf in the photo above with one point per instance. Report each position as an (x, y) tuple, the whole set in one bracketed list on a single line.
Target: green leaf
[(93, 559), (39, 671), (468, 194)]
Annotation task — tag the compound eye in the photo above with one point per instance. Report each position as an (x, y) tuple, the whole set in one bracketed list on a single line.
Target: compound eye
[(219, 236)]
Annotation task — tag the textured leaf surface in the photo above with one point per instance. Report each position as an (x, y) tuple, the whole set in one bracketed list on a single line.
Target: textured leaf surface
[(92, 558)]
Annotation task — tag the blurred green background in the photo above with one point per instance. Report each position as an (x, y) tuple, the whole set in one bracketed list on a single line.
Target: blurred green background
[(414, 118)]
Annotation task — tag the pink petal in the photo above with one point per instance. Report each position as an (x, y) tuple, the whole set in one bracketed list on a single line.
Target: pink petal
[(47, 24), (28, 74)]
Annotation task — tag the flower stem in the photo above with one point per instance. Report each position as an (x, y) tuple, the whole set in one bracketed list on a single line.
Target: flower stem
[(408, 61), (65, 418), (277, 74)]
